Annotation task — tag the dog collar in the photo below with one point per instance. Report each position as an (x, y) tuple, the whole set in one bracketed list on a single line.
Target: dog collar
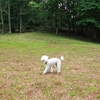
[(46, 62)]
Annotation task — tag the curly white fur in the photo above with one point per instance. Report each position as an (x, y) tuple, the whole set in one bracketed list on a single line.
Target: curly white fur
[(51, 62)]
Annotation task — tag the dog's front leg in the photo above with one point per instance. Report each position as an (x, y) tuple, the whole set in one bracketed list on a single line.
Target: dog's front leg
[(46, 69)]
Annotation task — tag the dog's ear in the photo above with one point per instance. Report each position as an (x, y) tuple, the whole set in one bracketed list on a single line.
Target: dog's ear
[(44, 57)]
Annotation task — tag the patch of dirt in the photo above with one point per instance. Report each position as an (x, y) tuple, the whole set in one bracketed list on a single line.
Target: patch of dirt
[(34, 94)]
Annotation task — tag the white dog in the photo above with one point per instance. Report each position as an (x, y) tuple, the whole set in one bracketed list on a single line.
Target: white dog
[(52, 62)]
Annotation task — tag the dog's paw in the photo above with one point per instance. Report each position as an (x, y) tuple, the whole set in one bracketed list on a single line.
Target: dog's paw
[(44, 73), (59, 73)]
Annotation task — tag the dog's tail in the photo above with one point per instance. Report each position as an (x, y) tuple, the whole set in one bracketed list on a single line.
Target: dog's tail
[(61, 58)]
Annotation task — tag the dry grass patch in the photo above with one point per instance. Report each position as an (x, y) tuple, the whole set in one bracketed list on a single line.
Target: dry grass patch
[(21, 70)]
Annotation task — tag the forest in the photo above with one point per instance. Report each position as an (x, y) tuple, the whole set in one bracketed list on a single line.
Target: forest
[(73, 17)]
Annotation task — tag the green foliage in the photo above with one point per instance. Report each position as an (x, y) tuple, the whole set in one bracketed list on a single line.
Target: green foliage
[(33, 4), (52, 14), (89, 13), (87, 21)]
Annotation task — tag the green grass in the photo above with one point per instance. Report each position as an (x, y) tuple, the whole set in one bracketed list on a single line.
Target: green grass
[(21, 70)]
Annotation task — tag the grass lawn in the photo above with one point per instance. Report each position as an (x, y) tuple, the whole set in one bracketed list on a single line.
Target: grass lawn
[(21, 70)]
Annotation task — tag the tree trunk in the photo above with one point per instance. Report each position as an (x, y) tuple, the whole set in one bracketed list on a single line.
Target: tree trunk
[(56, 18), (94, 33), (76, 28), (2, 21), (56, 30), (20, 18), (9, 18)]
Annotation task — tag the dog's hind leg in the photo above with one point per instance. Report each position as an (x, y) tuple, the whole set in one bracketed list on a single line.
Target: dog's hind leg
[(51, 69), (58, 68)]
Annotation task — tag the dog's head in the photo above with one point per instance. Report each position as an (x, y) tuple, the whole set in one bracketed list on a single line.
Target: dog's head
[(44, 58)]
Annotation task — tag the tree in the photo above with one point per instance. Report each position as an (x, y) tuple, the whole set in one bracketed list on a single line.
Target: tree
[(20, 17), (2, 20), (9, 16), (89, 16)]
